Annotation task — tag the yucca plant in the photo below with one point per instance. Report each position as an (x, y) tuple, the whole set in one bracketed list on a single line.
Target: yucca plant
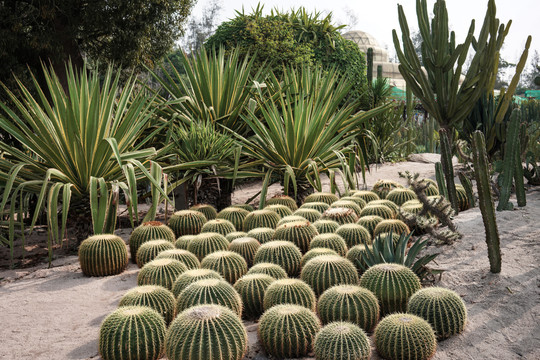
[(306, 131), (80, 146)]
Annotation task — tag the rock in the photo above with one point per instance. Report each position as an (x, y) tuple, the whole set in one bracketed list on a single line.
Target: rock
[(428, 158)]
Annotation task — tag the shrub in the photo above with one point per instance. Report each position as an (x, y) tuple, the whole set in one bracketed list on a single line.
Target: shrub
[(103, 255)]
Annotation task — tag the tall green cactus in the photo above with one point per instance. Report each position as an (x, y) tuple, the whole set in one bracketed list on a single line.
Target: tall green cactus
[(439, 175), (487, 207), (467, 185), (369, 60), (448, 169), (512, 150)]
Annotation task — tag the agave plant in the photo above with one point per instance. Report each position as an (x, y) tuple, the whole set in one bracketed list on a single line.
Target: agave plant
[(79, 145), (306, 131), (385, 250)]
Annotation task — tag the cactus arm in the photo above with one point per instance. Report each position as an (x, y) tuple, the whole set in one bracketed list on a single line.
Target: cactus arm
[(448, 169), (509, 162), (370, 67), (487, 208), (467, 185), (440, 179)]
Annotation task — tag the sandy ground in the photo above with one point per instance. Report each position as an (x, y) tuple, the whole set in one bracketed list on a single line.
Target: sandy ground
[(56, 313)]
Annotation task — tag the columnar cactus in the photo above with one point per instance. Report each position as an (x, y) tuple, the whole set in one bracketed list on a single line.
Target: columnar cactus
[(103, 255), (310, 215), (281, 210), (162, 272), (324, 197), (149, 250), (251, 289), (366, 195), (150, 230), (209, 291), (132, 332), (400, 196), (273, 270), (354, 234), (314, 253), (209, 332), (189, 277), (289, 219), (283, 253), (405, 336), (349, 204), (261, 218), (357, 200), (329, 241), (370, 222), (282, 200), (155, 297), (340, 215), (319, 206), (183, 241), (350, 303), (393, 284), (247, 207), (207, 210), (388, 204), (378, 210), (235, 215), (442, 308), (395, 226), (229, 264), (288, 331), (246, 247), (235, 235), (355, 256), (299, 232), (383, 187), (263, 235), (181, 255), (219, 226), (342, 341), (323, 272), (289, 291), (207, 243), (463, 199), (187, 222), (326, 226)]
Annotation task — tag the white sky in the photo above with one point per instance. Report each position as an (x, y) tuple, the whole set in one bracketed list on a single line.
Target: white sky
[(379, 17)]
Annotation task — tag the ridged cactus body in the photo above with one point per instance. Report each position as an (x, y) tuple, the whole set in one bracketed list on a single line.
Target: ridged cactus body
[(310, 215), (247, 207), (366, 195), (299, 233), (132, 332), (405, 336), (389, 204), (349, 204), (342, 341), (209, 332), (326, 226), (323, 272), (235, 235), (220, 226), (400, 196), (355, 256), (324, 197), (288, 331), (463, 199), (151, 230), (282, 200), (354, 234), (383, 187), (209, 291), (393, 285), (319, 206), (442, 308), (341, 215), (235, 215), (397, 227), (289, 219), (207, 243), (273, 270), (189, 277), (162, 272), (181, 255), (283, 253), (316, 252), (378, 210), (261, 219), (149, 250), (329, 241), (350, 303), (369, 222), (263, 235), (289, 291), (281, 210), (251, 288), (103, 255), (183, 241), (155, 297), (187, 222), (229, 264), (245, 247), (207, 210), (357, 200)]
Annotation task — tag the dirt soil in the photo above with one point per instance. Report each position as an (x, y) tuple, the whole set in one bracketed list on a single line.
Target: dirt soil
[(56, 313)]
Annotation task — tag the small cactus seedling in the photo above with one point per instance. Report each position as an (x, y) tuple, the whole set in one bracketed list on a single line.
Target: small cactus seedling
[(283, 253), (369, 222), (189, 277), (355, 256), (350, 303), (341, 215), (183, 256), (289, 291), (288, 331), (366, 195), (323, 272), (281, 210), (393, 285), (187, 222), (349, 204), (246, 247), (442, 308), (327, 198), (319, 206), (342, 341), (235, 215), (162, 272), (378, 210), (397, 227), (273, 270), (329, 241), (209, 291), (235, 235), (183, 241), (316, 252), (383, 187), (299, 232), (354, 234), (103, 255), (132, 332), (289, 219), (405, 336), (251, 289), (310, 215), (209, 332), (400, 196), (263, 235), (261, 218), (326, 226), (219, 226), (151, 249), (207, 243), (229, 264), (282, 200), (155, 297), (207, 210), (151, 230)]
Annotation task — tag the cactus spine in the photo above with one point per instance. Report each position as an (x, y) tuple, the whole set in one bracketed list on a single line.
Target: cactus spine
[(103, 255), (342, 341), (487, 208)]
